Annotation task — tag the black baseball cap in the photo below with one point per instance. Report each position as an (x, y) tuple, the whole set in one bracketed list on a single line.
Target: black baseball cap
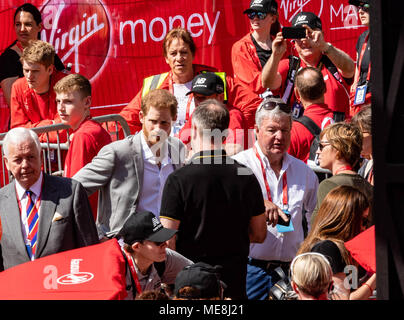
[(266, 6), (144, 226), (207, 83), (202, 276), (308, 18), (358, 2)]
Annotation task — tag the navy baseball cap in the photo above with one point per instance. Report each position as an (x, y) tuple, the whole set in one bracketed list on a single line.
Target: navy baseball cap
[(207, 83), (144, 226), (308, 18), (266, 6), (358, 2), (201, 276)]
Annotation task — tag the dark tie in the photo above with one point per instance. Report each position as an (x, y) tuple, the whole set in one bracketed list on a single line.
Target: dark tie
[(32, 220)]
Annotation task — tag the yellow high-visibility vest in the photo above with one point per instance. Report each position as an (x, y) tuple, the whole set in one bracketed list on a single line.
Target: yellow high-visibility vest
[(155, 82)]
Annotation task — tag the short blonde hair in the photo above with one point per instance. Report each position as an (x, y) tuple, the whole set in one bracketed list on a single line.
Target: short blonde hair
[(39, 52), (312, 273), (73, 82), (346, 139)]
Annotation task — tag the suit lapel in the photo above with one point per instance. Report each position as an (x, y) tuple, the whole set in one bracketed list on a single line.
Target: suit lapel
[(12, 220), (138, 159), (49, 199)]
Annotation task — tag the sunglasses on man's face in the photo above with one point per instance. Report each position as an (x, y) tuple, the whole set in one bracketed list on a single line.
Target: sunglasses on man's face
[(260, 15), (364, 6), (270, 105)]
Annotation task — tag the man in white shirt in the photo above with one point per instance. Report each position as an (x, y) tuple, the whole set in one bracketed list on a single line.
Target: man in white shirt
[(288, 186), (131, 173)]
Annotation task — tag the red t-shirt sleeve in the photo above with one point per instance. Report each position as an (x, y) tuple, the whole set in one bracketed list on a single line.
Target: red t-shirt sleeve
[(245, 69), (131, 113), (236, 133)]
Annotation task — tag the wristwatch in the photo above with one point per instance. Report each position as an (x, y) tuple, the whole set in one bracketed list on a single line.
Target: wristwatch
[(328, 49)]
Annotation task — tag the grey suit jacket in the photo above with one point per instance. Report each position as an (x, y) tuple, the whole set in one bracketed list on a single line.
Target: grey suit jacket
[(117, 171), (62, 195)]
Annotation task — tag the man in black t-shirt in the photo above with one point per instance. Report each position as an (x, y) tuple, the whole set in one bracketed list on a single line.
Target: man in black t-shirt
[(214, 202)]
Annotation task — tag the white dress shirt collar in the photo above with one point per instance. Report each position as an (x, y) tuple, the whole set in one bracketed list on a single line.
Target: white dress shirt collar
[(285, 160), (150, 157), (35, 188)]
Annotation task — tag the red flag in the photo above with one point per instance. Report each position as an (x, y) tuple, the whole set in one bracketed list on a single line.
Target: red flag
[(363, 249), (95, 272)]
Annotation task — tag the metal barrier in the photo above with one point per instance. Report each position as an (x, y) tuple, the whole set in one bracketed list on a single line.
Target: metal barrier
[(53, 152)]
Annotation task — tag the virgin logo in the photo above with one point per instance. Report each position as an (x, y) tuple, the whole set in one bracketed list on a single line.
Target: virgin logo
[(290, 8), (75, 276), (80, 33)]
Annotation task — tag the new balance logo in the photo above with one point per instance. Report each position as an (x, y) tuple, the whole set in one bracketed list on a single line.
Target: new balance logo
[(200, 81), (155, 222), (300, 19)]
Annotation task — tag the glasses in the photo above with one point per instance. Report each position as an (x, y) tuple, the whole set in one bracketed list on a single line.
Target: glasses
[(364, 6), (322, 145), (270, 105), (260, 15)]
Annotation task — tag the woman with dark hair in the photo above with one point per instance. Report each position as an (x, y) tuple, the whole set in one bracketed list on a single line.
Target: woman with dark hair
[(27, 26), (343, 214), (250, 54), (339, 151)]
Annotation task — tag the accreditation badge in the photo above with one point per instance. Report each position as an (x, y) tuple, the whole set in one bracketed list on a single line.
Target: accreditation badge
[(360, 94)]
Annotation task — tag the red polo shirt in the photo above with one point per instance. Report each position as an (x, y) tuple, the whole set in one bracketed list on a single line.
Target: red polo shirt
[(301, 138)]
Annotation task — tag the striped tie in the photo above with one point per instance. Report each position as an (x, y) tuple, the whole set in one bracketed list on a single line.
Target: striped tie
[(32, 220)]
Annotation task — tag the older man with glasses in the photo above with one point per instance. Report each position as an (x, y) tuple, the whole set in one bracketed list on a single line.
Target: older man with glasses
[(289, 189)]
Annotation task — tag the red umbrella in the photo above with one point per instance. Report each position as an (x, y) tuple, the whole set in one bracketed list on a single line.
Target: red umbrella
[(363, 249), (95, 272)]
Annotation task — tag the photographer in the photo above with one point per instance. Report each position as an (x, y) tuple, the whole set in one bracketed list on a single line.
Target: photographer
[(336, 66), (360, 90)]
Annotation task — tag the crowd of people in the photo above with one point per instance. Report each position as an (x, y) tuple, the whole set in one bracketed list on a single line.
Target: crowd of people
[(215, 193)]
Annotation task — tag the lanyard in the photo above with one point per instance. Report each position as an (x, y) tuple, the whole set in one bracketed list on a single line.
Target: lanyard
[(360, 60), (19, 46), (284, 180), (342, 169), (133, 272), (190, 97), (370, 176)]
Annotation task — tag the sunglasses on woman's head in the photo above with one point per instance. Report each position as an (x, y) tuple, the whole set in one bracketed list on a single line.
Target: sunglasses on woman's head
[(270, 105), (260, 15)]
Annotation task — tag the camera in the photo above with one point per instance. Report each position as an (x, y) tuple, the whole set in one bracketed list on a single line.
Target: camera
[(293, 32)]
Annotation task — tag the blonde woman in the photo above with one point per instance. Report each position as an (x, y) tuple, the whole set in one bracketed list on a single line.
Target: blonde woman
[(311, 276)]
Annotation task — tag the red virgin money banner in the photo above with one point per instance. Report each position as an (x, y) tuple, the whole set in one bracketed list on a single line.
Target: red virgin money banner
[(95, 272), (117, 43)]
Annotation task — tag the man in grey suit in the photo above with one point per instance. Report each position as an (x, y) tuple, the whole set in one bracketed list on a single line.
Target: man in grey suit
[(40, 214), (131, 173)]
